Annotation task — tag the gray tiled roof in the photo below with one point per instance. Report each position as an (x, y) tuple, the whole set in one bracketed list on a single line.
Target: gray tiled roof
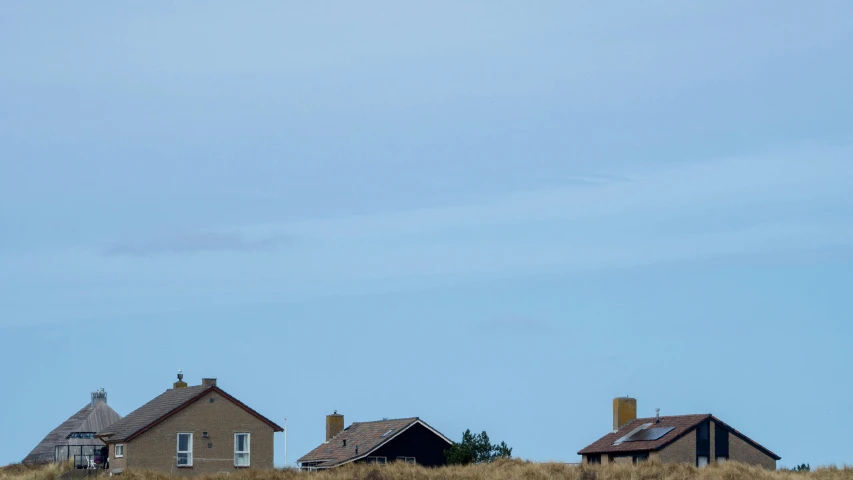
[(151, 412)]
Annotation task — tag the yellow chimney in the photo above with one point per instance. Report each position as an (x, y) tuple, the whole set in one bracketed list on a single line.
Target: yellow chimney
[(624, 411), (334, 425), (180, 383)]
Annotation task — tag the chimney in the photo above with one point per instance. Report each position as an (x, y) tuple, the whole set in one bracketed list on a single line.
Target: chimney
[(624, 411), (99, 396), (334, 425), (180, 383), (208, 382), (657, 415)]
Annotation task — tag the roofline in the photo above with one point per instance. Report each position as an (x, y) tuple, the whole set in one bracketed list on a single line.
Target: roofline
[(692, 428), (186, 404), (392, 437), (746, 439), (584, 450)]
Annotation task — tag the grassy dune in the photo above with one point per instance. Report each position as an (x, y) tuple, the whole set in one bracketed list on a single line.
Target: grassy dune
[(503, 470)]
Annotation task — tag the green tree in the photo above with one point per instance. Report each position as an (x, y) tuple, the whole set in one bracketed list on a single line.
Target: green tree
[(476, 448)]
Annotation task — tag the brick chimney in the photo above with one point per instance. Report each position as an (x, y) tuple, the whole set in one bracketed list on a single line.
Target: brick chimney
[(334, 425), (624, 411), (180, 383), (208, 382)]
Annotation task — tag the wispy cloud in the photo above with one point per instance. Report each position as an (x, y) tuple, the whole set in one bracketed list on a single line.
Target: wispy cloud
[(195, 243), (519, 323), (730, 207)]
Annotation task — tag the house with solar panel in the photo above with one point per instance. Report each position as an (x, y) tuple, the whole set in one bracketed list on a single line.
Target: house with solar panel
[(699, 440), (408, 440), (74, 439), (189, 431)]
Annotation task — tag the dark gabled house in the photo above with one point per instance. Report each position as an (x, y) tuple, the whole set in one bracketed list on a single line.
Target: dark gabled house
[(408, 440), (191, 430), (695, 439), (74, 439)]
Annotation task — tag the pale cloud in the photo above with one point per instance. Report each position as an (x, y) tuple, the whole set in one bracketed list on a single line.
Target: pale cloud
[(519, 323), (195, 243), (808, 176), (779, 203)]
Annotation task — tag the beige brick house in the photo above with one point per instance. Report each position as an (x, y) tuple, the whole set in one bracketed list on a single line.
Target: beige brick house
[(190, 431), (696, 439)]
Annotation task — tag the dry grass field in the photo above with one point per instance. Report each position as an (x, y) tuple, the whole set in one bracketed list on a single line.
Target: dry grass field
[(501, 470)]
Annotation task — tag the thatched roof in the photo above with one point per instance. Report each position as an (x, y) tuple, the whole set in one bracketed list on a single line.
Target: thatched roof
[(92, 418)]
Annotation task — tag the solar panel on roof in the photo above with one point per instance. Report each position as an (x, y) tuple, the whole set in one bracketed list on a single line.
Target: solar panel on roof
[(648, 434), (632, 432)]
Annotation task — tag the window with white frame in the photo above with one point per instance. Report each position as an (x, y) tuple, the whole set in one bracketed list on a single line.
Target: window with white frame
[(407, 460), (185, 449), (119, 450), (377, 460), (241, 450)]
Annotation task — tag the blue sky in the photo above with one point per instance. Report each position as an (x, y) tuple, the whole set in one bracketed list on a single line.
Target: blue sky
[(492, 215)]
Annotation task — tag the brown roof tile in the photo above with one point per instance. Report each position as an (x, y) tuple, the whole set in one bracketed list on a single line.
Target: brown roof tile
[(682, 425), (367, 436), (163, 406)]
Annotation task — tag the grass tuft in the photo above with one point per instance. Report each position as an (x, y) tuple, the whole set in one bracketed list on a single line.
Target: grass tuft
[(499, 470)]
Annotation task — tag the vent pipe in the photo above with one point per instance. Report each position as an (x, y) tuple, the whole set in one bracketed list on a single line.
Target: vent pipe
[(180, 383)]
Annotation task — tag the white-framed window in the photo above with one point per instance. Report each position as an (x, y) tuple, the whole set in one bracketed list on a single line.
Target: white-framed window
[(701, 461), (241, 450), (377, 460), (119, 450), (407, 460), (185, 449)]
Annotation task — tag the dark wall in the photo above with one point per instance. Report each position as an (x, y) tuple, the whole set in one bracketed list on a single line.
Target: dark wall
[(721, 441), (703, 439), (427, 447)]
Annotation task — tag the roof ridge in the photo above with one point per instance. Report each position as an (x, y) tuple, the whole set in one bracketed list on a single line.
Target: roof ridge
[(387, 420)]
